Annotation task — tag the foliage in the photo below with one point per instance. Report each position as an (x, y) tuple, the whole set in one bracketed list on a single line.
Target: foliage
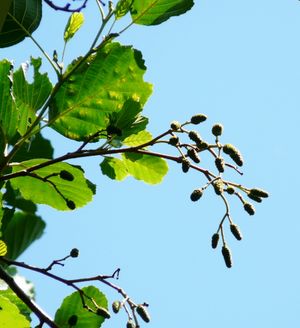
[(97, 101)]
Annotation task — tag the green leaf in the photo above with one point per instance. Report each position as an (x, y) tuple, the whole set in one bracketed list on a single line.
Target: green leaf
[(5, 5), (154, 12), (138, 139), (3, 248), (37, 147), (22, 13), (21, 231), (14, 199), (10, 314), (30, 97), (122, 8), (114, 168), (48, 188), (8, 111), (147, 168), (13, 298), (100, 86), (72, 306), (74, 23)]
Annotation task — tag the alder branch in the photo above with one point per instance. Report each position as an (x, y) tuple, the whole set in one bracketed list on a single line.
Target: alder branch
[(67, 7)]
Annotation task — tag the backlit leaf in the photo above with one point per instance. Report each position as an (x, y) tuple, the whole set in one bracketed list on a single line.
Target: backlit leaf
[(10, 314), (74, 23), (3, 248), (122, 8), (114, 168), (154, 12), (72, 306), (100, 86), (138, 139), (53, 191)]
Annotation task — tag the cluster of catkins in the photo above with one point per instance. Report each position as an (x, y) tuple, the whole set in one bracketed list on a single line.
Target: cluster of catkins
[(217, 150)]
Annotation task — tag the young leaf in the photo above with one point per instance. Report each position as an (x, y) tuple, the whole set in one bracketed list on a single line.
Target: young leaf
[(72, 305), (75, 21), (122, 8), (23, 15), (147, 168), (21, 231), (30, 97), (100, 86), (10, 314), (114, 168), (154, 12), (53, 191)]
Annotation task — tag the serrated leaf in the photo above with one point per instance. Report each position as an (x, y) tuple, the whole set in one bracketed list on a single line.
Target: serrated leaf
[(154, 12), (22, 13), (75, 21), (138, 139), (97, 88), (122, 8), (10, 314), (72, 305), (8, 111), (21, 231), (30, 97), (114, 168), (3, 248), (56, 191)]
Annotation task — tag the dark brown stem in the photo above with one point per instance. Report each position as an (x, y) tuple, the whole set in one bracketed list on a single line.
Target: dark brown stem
[(43, 317)]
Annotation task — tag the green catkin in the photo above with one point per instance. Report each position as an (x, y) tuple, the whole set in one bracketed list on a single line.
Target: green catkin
[(195, 136), (234, 154), (143, 313), (220, 164), (249, 208), (215, 240), (191, 153), (198, 118), (74, 252), (236, 231), (217, 130), (130, 324), (173, 140), (258, 193), (218, 186), (116, 305), (230, 190), (255, 198), (185, 165), (196, 195), (227, 256)]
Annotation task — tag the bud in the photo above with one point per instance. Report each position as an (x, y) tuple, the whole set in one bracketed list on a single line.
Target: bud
[(198, 118), (214, 240), (249, 208), (74, 252), (173, 140), (73, 320), (196, 195), (217, 130), (233, 153), (130, 324), (230, 190), (143, 313), (185, 165), (175, 125), (220, 164), (195, 136), (218, 186), (70, 204), (103, 312), (66, 175), (227, 256), (116, 306), (259, 193), (236, 231), (191, 152)]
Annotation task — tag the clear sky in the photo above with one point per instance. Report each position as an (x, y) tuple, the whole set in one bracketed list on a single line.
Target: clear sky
[(237, 62)]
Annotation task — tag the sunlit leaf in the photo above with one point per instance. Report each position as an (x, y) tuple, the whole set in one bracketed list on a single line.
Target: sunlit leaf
[(114, 168), (3, 248), (74, 23), (10, 314), (21, 231), (138, 139), (122, 8), (47, 187), (100, 86), (22, 13), (72, 306), (153, 12), (147, 168)]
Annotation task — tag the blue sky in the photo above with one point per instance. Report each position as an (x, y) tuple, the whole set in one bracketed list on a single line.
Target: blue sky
[(237, 62)]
